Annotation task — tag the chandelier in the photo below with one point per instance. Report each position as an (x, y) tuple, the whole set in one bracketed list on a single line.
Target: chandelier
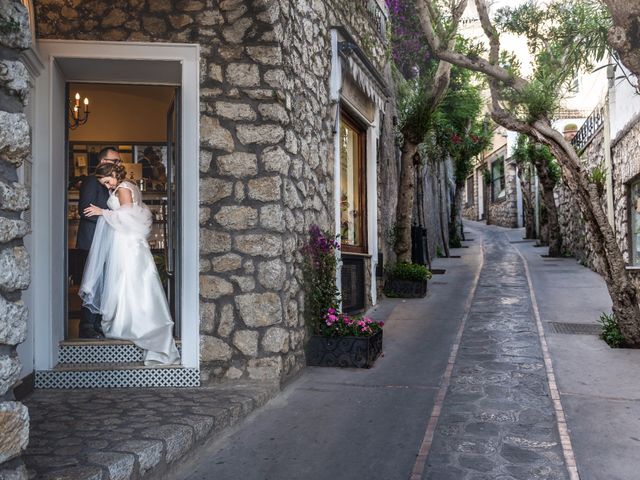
[(76, 117)]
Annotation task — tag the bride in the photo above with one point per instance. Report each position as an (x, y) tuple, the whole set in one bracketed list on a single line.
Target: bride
[(120, 279)]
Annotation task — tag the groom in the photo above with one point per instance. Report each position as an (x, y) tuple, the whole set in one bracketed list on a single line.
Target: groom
[(92, 192)]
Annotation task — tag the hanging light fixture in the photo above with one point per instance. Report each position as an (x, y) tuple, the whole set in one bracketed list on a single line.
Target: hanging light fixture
[(76, 117)]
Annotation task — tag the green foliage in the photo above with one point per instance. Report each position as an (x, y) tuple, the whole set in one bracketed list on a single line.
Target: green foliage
[(458, 129), (414, 107), (409, 271), (564, 38), (319, 271), (610, 331), (598, 176), (439, 252), (454, 239), (486, 175), (528, 151)]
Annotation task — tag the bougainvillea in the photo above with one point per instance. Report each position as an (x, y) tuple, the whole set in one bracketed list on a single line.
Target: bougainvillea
[(320, 276), (409, 46), (338, 324)]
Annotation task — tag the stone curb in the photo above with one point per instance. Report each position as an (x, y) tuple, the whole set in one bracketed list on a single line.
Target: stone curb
[(122, 434)]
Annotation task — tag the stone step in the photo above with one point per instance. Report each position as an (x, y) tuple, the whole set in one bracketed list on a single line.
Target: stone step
[(101, 351), (116, 375)]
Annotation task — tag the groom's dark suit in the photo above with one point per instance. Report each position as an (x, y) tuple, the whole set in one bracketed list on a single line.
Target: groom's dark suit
[(91, 192)]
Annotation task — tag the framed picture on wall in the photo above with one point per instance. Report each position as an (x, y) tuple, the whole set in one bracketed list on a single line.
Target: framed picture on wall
[(80, 164)]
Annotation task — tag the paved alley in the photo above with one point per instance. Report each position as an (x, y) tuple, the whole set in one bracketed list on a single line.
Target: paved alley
[(497, 420)]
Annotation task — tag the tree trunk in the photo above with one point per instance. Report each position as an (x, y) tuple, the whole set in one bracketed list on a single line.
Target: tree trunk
[(527, 204), (554, 238), (442, 210), (404, 210), (624, 36), (455, 225), (623, 292)]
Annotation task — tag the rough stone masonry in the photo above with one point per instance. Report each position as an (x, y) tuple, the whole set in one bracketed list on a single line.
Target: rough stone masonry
[(15, 148), (266, 154)]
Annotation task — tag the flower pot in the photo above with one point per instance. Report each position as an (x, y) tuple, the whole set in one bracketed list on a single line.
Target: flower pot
[(354, 352), (406, 288)]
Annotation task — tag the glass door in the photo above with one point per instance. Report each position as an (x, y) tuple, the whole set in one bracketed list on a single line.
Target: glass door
[(172, 232)]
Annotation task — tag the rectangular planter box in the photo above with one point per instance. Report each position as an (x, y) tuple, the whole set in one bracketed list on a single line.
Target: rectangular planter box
[(406, 288), (354, 352)]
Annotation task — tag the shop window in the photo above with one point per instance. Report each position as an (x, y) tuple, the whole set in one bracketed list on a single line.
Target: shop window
[(470, 196), (353, 205), (497, 180), (634, 208)]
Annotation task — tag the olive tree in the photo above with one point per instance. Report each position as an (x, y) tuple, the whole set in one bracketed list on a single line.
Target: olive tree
[(563, 39), (418, 100), (528, 152)]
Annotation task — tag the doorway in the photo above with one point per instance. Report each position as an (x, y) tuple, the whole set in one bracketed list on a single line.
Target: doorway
[(70, 63), (141, 122)]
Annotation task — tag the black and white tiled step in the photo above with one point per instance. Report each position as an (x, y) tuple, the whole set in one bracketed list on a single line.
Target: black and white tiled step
[(111, 364), (101, 351)]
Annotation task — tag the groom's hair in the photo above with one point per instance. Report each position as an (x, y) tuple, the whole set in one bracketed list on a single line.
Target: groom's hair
[(102, 154)]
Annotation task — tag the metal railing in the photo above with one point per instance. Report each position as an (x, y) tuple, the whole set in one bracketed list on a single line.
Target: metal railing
[(378, 15), (589, 128)]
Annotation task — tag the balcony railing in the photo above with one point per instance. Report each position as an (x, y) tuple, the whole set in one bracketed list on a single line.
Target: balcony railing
[(589, 128), (378, 15)]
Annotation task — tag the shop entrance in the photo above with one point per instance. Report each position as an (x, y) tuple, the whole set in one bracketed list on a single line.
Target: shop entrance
[(140, 121), (143, 99)]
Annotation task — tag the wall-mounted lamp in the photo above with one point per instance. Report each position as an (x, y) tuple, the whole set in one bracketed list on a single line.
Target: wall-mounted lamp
[(76, 117)]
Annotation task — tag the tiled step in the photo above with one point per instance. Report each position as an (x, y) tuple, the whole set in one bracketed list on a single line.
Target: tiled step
[(88, 367), (101, 351), (116, 375), (111, 364)]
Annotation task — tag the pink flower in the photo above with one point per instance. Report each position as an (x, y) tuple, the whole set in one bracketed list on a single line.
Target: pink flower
[(381, 323), (332, 310)]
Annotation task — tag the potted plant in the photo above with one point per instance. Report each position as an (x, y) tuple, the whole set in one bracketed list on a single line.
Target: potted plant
[(336, 339), (345, 341), (407, 280)]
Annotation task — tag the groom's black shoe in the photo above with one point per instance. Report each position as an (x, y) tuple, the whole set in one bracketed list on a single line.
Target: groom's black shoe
[(90, 332)]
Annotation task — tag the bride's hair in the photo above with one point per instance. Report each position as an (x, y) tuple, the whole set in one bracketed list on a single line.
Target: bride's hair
[(111, 170)]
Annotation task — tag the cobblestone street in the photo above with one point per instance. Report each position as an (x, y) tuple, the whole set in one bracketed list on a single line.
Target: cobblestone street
[(498, 418), (461, 393)]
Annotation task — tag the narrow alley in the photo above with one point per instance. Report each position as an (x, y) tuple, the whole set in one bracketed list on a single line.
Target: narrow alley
[(497, 420)]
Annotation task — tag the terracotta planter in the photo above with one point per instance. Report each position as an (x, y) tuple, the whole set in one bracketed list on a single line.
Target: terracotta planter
[(354, 352)]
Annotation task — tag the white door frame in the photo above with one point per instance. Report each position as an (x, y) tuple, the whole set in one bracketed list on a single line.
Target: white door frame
[(480, 180), (371, 166), (47, 309)]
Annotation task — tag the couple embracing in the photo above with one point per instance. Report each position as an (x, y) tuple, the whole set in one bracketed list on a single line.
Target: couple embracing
[(121, 291)]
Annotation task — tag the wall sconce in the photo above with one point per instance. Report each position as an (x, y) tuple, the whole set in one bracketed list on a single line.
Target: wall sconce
[(77, 118)]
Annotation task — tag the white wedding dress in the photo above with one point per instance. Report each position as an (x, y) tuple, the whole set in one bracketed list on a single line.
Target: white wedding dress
[(121, 281)]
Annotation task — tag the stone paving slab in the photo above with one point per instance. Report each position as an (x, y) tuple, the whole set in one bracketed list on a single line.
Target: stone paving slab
[(498, 420), (109, 434)]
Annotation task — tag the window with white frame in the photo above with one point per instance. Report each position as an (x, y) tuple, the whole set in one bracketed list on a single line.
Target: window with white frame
[(497, 180), (634, 209)]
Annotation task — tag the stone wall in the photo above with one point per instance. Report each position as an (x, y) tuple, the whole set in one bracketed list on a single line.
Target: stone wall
[(504, 211), (266, 158), (575, 236), (15, 147), (625, 156), (470, 203)]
